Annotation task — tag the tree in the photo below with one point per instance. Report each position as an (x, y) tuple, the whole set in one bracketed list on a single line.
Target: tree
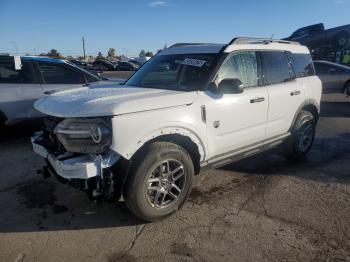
[(54, 53), (111, 53), (100, 56), (149, 54), (142, 53)]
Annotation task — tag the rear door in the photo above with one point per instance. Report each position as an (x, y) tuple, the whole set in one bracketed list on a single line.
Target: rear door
[(286, 93), (19, 89), (59, 76)]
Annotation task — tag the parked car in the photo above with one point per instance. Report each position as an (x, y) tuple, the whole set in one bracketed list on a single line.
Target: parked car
[(103, 65), (208, 106), (335, 77), (127, 66), (38, 77), (315, 36)]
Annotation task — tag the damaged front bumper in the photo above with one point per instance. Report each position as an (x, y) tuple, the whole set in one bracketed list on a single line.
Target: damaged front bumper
[(92, 171), (70, 166)]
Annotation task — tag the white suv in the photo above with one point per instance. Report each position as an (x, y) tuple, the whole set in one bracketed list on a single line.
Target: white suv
[(192, 106)]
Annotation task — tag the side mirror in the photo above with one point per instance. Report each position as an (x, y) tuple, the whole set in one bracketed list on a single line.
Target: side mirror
[(230, 86)]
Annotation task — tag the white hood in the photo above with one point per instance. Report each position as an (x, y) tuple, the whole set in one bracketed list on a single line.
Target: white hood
[(106, 101)]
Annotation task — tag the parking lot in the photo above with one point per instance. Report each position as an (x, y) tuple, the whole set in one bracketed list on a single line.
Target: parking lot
[(262, 208)]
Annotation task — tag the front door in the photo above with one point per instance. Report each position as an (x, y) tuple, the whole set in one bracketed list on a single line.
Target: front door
[(236, 121)]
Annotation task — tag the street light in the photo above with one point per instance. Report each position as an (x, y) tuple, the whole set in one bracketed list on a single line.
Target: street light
[(15, 45)]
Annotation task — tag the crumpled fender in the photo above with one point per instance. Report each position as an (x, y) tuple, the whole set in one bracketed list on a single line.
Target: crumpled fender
[(132, 149)]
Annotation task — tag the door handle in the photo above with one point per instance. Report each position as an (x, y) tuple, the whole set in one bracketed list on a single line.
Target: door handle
[(49, 92), (257, 100), (295, 93)]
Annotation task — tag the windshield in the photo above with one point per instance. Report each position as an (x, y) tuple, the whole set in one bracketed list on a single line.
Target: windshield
[(182, 72)]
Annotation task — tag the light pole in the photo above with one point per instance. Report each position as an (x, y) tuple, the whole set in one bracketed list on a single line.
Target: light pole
[(15, 45)]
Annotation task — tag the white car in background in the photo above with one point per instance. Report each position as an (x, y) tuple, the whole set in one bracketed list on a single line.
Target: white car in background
[(191, 107), (37, 77)]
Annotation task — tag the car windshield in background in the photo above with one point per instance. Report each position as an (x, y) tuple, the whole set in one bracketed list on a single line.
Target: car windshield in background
[(182, 72)]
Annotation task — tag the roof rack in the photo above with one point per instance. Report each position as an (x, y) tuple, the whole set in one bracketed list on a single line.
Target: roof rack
[(254, 40)]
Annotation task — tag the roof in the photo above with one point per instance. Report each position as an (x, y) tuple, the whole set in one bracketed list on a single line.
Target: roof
[(42, 59), (193, 49)]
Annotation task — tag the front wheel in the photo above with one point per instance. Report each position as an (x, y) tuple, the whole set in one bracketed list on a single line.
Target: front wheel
[(160, 181), (302, 137), (347, 89)]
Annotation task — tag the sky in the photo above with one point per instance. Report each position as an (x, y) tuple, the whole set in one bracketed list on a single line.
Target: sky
[(36, 26)]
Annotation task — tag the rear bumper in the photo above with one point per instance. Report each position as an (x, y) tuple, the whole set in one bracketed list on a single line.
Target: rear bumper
[(70, 166)]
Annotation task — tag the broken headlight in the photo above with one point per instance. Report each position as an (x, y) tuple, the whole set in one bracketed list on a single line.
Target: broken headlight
[(84, 135)]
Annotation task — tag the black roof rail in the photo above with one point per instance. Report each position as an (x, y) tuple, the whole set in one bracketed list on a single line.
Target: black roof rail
[(255, 40)]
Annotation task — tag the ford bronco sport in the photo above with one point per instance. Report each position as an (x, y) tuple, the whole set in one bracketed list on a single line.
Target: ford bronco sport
[(191, 107)]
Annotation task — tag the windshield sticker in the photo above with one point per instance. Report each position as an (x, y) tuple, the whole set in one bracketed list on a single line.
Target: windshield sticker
[(193, 62)]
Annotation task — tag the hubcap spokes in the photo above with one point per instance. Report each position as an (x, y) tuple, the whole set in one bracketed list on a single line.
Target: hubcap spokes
[(165, 183), (305, 137)]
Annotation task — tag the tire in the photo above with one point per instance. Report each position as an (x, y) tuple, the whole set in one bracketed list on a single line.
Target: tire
[(148, 194), (347, 88), (2, 130), (302, 137), (342, 40)]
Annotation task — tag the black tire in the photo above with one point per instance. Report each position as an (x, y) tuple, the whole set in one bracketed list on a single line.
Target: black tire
[(139, 198), (302, 137), (342, 40), (2, 131), (347, 88)]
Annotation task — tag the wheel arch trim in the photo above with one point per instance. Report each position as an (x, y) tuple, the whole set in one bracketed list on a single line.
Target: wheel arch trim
[(309, 103)]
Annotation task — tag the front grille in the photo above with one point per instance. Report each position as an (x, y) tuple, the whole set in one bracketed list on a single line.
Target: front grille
[(49, 138)]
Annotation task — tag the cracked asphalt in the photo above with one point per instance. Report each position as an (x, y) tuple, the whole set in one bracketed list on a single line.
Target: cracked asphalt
[(259, 209)]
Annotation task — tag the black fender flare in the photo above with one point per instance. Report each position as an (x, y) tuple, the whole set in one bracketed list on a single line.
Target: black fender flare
[(309, 105)]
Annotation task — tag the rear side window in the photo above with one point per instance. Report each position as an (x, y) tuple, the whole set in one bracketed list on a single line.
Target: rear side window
[(275, 67), (302, 64), (9, 75), (59, 74)]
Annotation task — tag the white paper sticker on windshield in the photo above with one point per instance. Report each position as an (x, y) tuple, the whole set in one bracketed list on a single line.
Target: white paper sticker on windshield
[(193, 62)]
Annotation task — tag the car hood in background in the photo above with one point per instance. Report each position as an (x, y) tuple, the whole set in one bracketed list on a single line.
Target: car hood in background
[(104, 100)]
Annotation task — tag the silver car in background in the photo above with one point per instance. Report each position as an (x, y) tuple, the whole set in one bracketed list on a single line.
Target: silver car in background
[(335, 77), (37, 77)]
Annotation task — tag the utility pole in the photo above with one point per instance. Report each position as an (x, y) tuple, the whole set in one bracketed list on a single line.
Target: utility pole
[(83, 39)]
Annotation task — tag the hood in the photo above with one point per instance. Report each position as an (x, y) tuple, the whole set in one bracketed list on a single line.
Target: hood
[(104, 100)]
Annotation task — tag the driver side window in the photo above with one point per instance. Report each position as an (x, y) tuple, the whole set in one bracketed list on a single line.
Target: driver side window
[(242, 66)]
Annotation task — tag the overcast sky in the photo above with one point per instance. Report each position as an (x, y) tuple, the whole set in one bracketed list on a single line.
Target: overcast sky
[(129, 26)]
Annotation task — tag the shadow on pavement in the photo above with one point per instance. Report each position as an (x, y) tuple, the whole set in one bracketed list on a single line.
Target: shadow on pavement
[(329, 156), (335, 109)]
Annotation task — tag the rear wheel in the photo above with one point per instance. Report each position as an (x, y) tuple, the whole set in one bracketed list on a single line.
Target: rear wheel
[(160, 181), (302, 137)]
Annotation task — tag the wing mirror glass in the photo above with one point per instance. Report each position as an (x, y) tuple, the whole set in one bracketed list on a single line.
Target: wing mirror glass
[(230, 86)]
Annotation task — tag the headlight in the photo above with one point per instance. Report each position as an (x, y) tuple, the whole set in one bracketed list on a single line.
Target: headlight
[(84, 135)]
